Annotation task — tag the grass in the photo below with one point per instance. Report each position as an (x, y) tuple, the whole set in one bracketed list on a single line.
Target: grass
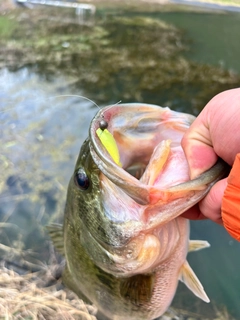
[(7, 27), (26, 297), (41, 295)]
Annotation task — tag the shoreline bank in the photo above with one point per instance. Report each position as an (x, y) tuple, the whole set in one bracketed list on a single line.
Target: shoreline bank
[(218, 5)]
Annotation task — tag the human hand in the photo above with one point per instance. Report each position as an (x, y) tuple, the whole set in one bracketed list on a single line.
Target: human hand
[(216, 133)]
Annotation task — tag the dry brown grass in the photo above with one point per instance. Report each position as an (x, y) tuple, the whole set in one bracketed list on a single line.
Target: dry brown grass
[(41, 296), (22, 297)]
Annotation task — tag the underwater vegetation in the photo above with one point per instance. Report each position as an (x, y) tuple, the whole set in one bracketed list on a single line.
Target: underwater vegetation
[(119, 57)]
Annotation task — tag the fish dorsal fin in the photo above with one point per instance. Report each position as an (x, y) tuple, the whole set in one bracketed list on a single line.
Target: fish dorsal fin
[(138, 289), (195, 245), (191, 281), (56, 233)]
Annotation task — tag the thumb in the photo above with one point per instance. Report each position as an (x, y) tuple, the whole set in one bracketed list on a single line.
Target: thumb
[(231, 201), (197, 146), (214, 132)]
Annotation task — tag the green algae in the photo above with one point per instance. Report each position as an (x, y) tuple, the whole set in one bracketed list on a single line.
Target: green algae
[(128, 58), (7, 27)]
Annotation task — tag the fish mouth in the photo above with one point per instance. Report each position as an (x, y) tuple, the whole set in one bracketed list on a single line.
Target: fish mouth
[(154, 171), (137, 130)]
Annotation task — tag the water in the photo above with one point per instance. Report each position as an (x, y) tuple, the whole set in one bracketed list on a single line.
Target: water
[(182, 66), (213, 36), (41, 134)]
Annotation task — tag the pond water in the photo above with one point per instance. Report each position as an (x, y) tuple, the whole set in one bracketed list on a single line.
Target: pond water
[(173, 58), (213, 36)]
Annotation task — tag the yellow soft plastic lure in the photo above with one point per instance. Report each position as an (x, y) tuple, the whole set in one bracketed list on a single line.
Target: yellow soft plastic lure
[(110, 144)]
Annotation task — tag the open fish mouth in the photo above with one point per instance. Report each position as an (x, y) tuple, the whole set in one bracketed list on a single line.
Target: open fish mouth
[(154, 167), (137, 130)]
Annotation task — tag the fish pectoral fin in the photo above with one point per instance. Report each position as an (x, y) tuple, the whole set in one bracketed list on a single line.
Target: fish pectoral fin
[(191, 281), (56, 233), (138, 289), (195, 245)]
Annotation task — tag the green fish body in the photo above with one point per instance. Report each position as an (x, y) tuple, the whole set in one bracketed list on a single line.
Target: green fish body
[(125, 242)]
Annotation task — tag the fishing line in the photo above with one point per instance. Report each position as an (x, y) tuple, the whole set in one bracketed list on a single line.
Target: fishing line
[(103, 124), (76, 96), (82, 97), (64, 95)]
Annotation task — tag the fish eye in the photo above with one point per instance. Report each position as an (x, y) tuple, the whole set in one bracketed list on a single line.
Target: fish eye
[(81, 179)]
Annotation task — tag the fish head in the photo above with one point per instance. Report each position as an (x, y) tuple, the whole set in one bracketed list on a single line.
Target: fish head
[(127, 211)]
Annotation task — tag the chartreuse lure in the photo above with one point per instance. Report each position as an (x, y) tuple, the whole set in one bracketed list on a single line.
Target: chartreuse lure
[(110, 144)]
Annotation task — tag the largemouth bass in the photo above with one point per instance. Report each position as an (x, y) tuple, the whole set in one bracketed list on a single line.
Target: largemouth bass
[(125, 242)]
